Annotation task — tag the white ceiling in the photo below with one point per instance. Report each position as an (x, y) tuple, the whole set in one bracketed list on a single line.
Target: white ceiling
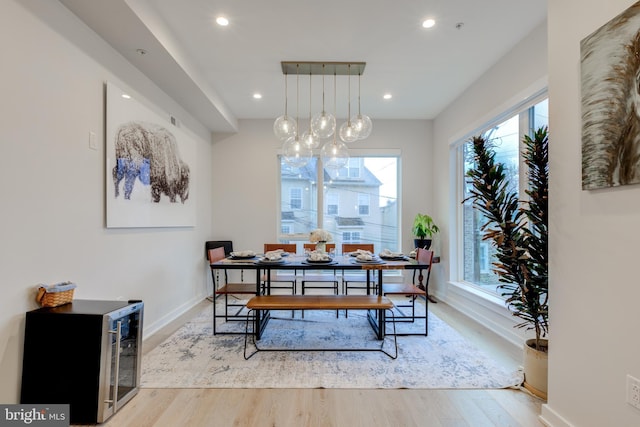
[(213, 71)]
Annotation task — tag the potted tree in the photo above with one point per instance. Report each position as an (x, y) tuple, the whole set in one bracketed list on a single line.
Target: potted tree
[(519, 232), (423, 228)]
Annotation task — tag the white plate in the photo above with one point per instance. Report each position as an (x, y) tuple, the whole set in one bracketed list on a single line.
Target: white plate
[(393, 258), (320, 261), (267, 261), (373, 261), (242, 257)]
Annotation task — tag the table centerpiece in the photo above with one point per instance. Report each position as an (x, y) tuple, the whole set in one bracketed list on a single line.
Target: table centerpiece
[(320, 237)]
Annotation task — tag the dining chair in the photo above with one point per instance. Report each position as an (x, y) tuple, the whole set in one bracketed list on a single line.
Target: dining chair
[(357, 280), (234, 304), (316, 279), (228, 248), (404, 295), (212, 244), (281, 279)]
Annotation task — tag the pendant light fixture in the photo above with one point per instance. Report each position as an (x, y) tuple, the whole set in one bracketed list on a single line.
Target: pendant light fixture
[(323, 124), (334, 154), (294, 151), (298, 150), (361, 122), (308, 136), (348, 132), (285, 127)]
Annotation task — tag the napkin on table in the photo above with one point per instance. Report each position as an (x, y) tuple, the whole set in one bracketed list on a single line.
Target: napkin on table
[(273, 255), (362, 252), (387, 253), (318, 256)]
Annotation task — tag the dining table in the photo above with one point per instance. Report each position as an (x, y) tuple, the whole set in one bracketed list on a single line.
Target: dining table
[(299, 262)]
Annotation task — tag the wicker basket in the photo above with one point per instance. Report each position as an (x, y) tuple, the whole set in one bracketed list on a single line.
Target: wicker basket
[(55, 295)]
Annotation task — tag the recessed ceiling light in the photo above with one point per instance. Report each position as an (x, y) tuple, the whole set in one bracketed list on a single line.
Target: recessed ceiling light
[(387, 96), (257, 96), (428, 23), (125, 96), (222, 21)]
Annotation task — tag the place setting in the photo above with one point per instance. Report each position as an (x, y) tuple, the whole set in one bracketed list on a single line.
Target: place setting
[(318, 257), (244, 256), (366, 257), (389, 255), (276, 257)]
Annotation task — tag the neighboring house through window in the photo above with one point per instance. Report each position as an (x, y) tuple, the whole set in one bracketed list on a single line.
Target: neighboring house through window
[(337, 201)]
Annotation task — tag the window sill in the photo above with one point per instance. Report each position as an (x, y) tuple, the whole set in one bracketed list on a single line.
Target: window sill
[(484, 308), (479, 293)]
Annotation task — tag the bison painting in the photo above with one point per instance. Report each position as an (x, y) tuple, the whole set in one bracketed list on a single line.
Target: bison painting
[(149, 153), (610, 66)]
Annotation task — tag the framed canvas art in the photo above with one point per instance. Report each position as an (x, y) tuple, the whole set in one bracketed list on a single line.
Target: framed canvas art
[(610, 71), (149, 166)]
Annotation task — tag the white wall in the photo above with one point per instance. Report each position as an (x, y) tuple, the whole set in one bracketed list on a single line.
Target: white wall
[(594, 290), (52, 217), (245, 176)]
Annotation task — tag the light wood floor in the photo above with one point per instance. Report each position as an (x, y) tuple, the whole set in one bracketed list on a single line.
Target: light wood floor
[(338, 407)]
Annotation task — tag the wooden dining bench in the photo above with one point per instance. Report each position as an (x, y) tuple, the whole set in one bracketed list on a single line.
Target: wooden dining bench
[(322, 302)]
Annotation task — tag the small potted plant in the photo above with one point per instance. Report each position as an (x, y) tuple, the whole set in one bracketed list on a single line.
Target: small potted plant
[(423, 228)]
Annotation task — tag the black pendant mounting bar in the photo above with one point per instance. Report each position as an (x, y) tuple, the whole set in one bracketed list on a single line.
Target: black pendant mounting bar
[(326, 68)]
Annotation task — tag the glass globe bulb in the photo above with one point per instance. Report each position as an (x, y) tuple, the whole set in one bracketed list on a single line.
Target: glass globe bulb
[(309, 140), (362, 124), (334, 154), (348, 132), (284, 127), (296, 153), (323, 125)]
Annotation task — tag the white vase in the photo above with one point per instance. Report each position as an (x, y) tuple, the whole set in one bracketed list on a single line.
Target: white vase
[(535, 368), (321, 246)]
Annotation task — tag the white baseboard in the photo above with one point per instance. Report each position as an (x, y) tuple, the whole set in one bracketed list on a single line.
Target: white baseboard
[(149, 330), (551, 418)]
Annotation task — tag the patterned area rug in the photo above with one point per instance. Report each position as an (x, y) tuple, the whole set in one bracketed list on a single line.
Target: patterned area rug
[(193, 358)]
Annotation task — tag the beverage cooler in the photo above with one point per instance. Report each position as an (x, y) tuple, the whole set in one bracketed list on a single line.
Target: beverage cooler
[(86, 354)]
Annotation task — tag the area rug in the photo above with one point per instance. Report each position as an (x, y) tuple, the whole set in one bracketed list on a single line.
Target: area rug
[(193, 358)]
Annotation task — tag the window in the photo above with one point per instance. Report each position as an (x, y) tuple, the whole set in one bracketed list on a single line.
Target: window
[(352, 170), (358, 203), (295, 198), (351, 237), (363, 204), (333, 200), (476, 256)]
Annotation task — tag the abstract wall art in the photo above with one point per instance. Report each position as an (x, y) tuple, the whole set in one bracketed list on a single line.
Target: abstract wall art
[(149, 166), (610, 71)]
